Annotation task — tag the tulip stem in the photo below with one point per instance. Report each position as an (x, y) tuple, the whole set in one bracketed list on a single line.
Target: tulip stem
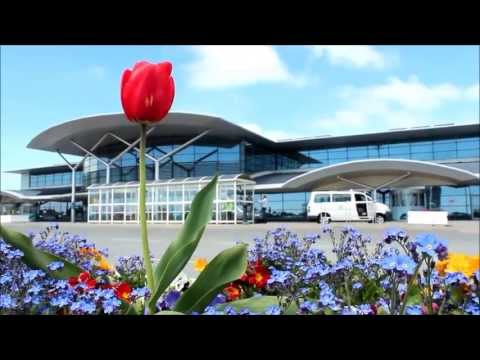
[(142, 216)]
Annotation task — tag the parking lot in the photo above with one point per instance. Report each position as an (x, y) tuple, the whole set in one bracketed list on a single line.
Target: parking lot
[(124, 239)]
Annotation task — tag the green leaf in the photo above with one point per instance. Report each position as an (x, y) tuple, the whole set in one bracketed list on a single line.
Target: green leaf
[(135, 308), (182, 248), (226, 267), (370, 291), (168, 312), (415, 296), (258, 305), (36, 258), (456, 294)]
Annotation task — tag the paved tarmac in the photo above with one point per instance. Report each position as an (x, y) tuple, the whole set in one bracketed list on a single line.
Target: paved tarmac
[(124, 239)]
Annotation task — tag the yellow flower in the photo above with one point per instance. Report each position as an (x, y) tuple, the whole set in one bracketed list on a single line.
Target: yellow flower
[(457, 262), (104, 264), (199, 264)]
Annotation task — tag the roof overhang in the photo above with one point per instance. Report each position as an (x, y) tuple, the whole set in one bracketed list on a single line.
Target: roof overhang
[(16, 196), (374, 173), (87, 131)]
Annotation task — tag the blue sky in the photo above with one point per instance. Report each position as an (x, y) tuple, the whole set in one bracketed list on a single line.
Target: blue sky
[(280, 92)]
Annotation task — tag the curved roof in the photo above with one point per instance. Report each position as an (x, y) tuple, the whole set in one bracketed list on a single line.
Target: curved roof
[(87, 131), (374, 173), (19, 197)]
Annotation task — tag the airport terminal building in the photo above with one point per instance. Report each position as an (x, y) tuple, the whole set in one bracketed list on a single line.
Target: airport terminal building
[(433, 168)]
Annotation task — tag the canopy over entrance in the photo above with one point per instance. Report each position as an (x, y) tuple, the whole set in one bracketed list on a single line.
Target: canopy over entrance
[(375, 174)]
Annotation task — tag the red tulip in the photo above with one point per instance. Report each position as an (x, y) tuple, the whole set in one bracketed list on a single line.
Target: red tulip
[(147, 91)]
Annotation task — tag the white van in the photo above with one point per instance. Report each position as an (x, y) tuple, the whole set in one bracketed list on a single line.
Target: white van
[(326, 206)]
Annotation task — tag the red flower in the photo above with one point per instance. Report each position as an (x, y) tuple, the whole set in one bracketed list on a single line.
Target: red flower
[(122, 291), (232, 292), (72, 281), (260, 277), (147, 91), (84, 276), (106, 286), (91, 283), (244, 277)]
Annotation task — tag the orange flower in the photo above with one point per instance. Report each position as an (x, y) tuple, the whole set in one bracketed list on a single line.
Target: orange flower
[(232, 292), (441, 266), (199, 264)]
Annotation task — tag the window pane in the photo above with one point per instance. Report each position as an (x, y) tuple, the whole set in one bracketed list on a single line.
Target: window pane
[(399, 149), (106, 196), (422, 156), (359, 197), (422, 147), (94, 197), (469, 153), (444, 145), (119, 196), (175, 194), (161, 194), (226, 191), (341, 197), (337, 153), (131, 213), (190, 192), (49, 180), (442, 155), (132, 196), (359, 152), (322, 198)]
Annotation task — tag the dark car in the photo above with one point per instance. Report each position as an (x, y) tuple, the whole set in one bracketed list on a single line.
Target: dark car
[(459, 216)]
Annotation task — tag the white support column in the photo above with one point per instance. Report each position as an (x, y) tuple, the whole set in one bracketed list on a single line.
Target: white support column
[(157, 170), (235, 202), (72, 206), (167, 198), (253, 204), (216, 205)]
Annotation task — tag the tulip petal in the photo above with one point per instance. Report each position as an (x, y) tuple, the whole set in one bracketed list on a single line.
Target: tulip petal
[(140, 64), (165, 67), (125, 104)]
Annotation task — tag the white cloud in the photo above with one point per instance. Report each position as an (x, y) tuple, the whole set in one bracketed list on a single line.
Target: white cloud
[(358, 56), (97, 71), (473, 92), (219, 67), (396, 103), (271, 134)]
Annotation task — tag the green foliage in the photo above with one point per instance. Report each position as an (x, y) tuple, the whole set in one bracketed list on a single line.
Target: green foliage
[(226, 267), (38, 259), (258, 305)]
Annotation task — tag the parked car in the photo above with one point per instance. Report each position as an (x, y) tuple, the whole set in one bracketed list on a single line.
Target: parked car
[(459, 216), (326, 206)]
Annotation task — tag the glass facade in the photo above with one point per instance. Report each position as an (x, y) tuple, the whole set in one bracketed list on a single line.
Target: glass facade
[(285, 206), (170, 204), (461, 203), (193, 161), (54, 180), (260, 159), (170, 201), (464, 148)]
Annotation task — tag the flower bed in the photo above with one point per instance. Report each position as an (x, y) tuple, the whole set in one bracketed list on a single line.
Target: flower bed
[(285, 275)]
